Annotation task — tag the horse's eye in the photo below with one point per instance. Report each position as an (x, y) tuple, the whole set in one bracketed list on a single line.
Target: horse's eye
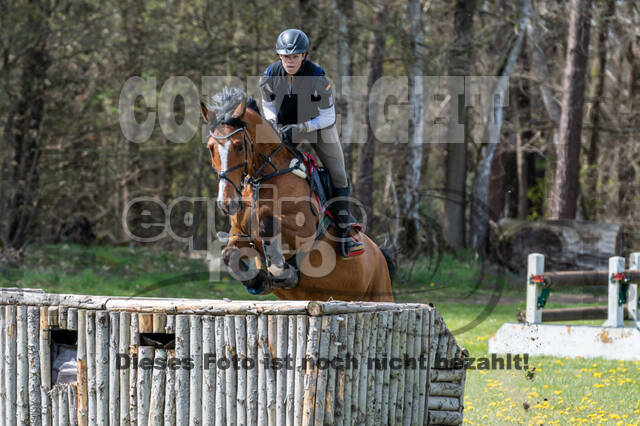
[(238, 148)]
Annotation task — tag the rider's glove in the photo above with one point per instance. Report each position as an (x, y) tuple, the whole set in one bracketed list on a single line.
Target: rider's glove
[(295, 128)]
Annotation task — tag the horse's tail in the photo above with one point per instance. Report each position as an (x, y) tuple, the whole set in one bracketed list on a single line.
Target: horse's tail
[(389, 255)]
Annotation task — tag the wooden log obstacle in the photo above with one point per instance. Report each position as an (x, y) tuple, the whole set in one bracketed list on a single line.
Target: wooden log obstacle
[(139, 361), (613, 340)]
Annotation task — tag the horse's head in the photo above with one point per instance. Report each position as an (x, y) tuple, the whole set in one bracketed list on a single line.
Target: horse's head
[(232, 132)]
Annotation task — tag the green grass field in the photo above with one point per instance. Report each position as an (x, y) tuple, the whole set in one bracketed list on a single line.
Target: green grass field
[(558, 391)]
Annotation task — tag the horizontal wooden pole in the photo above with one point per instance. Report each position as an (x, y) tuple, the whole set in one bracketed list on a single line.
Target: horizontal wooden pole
[(563, 279), (572, 314)]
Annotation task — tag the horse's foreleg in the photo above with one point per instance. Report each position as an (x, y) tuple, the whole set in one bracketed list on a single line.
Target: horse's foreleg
[(284, 275)]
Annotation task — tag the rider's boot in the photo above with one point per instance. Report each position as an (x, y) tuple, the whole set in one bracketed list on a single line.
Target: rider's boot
[(339, 208)]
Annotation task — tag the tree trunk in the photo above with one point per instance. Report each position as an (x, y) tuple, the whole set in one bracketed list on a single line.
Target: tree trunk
[(459, 65), (364, 175), (564, 192), (344, 14), (480, 191), (23, 131), (595, 115), (413, 159)]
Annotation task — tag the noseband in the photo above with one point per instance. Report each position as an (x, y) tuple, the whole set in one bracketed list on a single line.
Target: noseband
[(247, 141)]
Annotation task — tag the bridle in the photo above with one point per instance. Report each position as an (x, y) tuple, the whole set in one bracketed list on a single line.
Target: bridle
[(246, 141)]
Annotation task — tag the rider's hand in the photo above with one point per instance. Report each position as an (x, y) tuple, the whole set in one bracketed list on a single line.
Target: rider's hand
[(294, 128)]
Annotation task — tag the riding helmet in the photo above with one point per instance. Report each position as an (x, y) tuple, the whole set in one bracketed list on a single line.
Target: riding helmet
[(292, 41)]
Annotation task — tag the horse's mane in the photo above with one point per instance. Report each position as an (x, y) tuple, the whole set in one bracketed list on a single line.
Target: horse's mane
[(225, 103)]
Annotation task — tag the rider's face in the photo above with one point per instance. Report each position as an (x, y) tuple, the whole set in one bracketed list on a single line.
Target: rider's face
[(291, 63)]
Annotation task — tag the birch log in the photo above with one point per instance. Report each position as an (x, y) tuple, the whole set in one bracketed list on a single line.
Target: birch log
[(381, 356), (221, 378), (33, 355), (156, 410), (290, 367), (102, 368), (269, 342), (72, 395), (170, 393), (329, 408), (311, 370), (124, 338), (91, 367), (370, 405), (261, 365), (323, 374), (81, 391), (182, 374), (404, 319), (363, 373), (409, 370), (195, 373), (114, 375), (63, 405), (45, 366), (3, 343), (241, 353), (72, 319), (22, 367), (252, 373), (209, 370), (350, 371), (134, 342), (301, 340), (281, 372), (386, 389), (230, 354), (145, 372)]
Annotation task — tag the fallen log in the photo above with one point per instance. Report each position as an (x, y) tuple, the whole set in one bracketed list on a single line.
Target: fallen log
[(566, 244)]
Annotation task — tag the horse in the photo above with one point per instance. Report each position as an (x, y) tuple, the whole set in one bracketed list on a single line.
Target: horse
[(271, 211)]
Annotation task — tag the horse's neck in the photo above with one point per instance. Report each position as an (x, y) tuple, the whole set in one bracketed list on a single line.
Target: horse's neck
[(280, 159)]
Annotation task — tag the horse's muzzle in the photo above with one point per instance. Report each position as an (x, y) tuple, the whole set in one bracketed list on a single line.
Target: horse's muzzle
[(229, 207)]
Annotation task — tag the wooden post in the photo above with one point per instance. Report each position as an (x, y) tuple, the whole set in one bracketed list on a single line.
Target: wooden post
[(381, 355), (156, 412), (221, 378), (114, 374), (91, 367), (145, 368), (102, 368), (408, 371), (170, 326), (63, 404), (269, 342), (45, 366), (72, 319), (404, 321), (329, 400), (535, 267), (252, 373), (33, 362), (341, 374), (22, 366), (53, 397), (363, 375), (311, 370), (350, 371), (615, 315), (301, 346), (261, 365), (62, 318), (323, 373), (134, 341), (81, 392), (3, 394), (281, 373), (52, 315), (425, 334), (634, 265), (195, 374), (386, 380), (241, 350), (72, 395), (124, 338), (159, 323), (291, 374), (182, 374), (145, 323), (209, 369), (170, 393), (370, 353), (230, 354)]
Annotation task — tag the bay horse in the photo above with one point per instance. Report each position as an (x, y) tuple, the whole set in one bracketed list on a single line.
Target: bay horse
[(271, 211)]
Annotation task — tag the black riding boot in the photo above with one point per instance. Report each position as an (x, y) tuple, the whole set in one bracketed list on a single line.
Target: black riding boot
[(339, 208)]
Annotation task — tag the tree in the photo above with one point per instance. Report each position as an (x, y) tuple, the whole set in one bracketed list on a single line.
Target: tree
[(460, 60), (564, 192)]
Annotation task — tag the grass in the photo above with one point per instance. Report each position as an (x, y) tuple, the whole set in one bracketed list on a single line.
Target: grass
[(473, 302)]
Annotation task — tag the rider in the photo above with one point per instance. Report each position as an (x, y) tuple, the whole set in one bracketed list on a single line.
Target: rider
[(297, 99)]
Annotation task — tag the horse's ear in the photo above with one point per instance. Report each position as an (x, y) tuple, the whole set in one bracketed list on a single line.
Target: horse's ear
[(239, 112), (207, 114)]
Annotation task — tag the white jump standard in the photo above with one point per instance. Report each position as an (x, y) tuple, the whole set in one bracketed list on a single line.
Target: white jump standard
[(612, 340)]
